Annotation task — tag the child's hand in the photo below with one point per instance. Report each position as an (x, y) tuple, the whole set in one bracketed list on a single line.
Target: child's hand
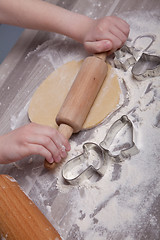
[(106, 34), (33, 139)]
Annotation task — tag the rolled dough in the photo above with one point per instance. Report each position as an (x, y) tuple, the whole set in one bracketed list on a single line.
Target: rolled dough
[(48, 98)]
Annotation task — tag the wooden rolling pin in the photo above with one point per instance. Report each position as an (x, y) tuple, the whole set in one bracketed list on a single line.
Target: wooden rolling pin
[(81, 96), (20, 219)]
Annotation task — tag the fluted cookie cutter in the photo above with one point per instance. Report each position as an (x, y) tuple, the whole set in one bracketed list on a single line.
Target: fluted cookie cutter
[(93, 162), (146, 66), (121, 151)]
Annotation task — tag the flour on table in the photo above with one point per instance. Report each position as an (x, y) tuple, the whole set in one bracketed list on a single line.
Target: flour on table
[(16, 120), (123, 203)]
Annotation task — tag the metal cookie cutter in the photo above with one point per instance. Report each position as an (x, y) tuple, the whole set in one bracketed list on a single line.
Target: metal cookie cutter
[(128, 55), (91, 163), (146, 66), (120, 60), (125, 150)]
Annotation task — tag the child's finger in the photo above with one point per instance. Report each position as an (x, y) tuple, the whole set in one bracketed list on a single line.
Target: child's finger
[(98, 46), (56, 147), (41, 150), (117, 33), (53, 135), (63, 142)]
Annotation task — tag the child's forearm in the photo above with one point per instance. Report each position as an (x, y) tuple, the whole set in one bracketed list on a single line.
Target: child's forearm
[(37, 14), (105, 34)]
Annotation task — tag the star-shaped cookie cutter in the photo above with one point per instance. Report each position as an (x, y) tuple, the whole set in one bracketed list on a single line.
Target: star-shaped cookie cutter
[(93, 162)]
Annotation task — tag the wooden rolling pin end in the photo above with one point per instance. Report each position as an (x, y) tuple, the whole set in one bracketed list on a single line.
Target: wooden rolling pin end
[(102, 56), (19, 216), (49, 165), (66, 131)]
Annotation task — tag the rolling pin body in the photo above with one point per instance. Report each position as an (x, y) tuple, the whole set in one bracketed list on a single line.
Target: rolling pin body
[(20, 219), (81, 96), (82, 93)]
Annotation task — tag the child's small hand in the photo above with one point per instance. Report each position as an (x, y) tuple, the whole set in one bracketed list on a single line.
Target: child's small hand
[(106, 34), (33, 139)]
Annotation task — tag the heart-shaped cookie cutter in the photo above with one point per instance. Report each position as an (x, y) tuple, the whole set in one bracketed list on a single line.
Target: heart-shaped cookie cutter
[(146, 66), (93, 162)]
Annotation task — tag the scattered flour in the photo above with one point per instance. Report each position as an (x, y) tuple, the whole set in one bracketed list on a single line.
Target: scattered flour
[(16, 120), (124, 203)]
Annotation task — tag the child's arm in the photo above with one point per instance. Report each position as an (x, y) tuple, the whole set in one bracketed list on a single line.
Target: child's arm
[(106, 34), (33, 139)]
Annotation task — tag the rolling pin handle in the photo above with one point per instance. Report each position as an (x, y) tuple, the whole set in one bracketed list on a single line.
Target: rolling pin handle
[(66, 131), (102, 56), (49, 165)]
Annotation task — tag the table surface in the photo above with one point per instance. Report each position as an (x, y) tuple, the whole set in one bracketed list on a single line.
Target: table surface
[(124, 204)]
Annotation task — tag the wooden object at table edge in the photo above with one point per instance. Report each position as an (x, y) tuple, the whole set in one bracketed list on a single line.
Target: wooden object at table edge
[(19, 216), (81, 96)]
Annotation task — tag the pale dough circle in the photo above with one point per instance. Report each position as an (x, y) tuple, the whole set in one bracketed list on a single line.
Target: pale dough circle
[(48, 98)]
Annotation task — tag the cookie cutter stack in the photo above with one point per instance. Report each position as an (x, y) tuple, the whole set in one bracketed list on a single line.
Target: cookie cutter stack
[(143, 65), (93, 162)]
